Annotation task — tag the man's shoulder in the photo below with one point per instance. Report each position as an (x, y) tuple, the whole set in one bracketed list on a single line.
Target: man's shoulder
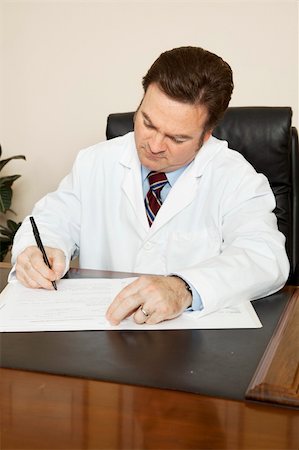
[(110, 148), (224, 155), (104, 155)]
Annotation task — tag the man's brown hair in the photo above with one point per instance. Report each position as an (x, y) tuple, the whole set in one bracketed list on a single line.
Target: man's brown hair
[(196, 76)]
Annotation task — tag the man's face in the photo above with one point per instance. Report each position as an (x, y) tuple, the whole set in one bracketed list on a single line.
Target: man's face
[(168, 133)]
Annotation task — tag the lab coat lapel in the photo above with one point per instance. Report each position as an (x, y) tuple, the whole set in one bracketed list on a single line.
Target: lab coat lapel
[(185, 188), (132, 187), (179, 197)]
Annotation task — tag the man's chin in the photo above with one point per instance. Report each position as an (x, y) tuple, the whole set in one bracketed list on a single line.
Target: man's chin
[(155, 166)]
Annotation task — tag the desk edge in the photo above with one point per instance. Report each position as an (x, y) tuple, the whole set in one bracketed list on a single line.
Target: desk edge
[(269, 384)]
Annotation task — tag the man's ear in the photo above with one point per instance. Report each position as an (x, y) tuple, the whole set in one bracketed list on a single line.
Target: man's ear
[(207, 135), (134, 117)]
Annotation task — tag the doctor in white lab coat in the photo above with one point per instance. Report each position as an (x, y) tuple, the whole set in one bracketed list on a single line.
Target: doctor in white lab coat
[(216, 230)]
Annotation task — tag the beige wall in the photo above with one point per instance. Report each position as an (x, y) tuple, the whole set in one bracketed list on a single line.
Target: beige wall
[(67, 64)]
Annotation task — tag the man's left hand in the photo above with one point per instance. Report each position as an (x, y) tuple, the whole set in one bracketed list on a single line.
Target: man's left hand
[(151, 299)]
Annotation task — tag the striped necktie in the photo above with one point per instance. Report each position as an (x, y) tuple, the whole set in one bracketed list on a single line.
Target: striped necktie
[(153, 202)]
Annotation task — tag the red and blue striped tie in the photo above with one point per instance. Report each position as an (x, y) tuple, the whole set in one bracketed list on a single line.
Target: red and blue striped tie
[(153, 202)]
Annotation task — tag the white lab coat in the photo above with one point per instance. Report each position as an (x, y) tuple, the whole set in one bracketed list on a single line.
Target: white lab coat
[(216, 227)]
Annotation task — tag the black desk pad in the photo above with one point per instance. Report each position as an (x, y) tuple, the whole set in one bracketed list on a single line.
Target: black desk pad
[(217, 363)]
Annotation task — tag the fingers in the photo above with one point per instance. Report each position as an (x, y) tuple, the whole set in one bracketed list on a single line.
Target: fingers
[(32, 271), (142, 315), (124, 304), (150, 299), (57, 261), (146, 314), (156, 314)]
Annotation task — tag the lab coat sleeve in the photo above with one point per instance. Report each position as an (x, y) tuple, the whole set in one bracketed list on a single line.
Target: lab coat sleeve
[(253, 261), (58, 219)]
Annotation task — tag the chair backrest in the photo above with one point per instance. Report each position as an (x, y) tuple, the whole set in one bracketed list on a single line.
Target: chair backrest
[(265, 137)]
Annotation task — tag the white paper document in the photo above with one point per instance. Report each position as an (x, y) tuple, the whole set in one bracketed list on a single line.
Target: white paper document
[(81, 304)]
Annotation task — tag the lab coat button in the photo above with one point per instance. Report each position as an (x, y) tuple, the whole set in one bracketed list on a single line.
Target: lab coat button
[(148, 246)]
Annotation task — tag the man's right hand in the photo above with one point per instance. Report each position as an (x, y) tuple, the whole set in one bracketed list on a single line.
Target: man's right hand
[(32, 271)]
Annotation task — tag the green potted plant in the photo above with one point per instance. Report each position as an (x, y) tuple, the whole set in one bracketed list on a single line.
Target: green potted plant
[(9, 228)]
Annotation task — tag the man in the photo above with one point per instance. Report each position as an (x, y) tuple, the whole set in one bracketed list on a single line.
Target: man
[(213, 242)]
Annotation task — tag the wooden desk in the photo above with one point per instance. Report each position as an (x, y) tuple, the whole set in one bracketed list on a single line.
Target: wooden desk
[(41, 411)]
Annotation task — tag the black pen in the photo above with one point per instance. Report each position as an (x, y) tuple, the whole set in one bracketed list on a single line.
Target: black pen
[(41, 247)]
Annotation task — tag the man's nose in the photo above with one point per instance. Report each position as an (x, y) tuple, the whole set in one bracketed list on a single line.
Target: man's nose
[(157, 143)]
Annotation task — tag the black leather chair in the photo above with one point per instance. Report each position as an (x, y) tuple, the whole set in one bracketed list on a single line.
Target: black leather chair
[(266, 138)]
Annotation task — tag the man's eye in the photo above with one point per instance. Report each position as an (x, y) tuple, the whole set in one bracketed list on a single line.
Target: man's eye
[(148, 125), (177, 140)]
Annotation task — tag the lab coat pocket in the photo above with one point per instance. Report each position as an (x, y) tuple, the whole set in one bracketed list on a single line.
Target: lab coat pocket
[(187, 249)]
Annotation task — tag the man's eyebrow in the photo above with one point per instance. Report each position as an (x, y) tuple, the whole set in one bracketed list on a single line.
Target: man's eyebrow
[(146, 117), (176, 136)]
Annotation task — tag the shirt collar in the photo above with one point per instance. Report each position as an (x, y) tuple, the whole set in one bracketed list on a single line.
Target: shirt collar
[(171, 176)]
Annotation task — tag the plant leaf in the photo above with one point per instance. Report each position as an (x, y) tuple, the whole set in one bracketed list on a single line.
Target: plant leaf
[(4, 248), (13, 226), (10, 229), (6, 192), (5, 161), (9, 179), (7, 234), (5, 198)]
